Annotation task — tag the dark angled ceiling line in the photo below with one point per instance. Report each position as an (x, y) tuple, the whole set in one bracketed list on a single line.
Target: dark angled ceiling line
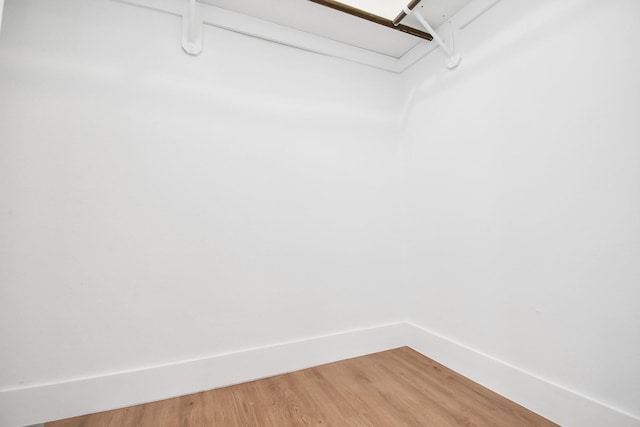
[(373, 18)]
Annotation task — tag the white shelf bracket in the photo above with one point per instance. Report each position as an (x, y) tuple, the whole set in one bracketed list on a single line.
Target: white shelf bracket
[(451, 49), (192, 28), (1, 8)]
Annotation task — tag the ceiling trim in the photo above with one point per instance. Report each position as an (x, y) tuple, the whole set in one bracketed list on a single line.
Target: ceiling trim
[(265, 30)]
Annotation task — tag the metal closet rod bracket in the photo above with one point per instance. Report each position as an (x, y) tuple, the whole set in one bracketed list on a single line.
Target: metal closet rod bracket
[(453, 55), (192, 28), (1, 8)]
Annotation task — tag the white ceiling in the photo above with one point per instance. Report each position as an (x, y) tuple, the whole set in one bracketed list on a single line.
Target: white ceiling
[(313, 18), (385, 8)]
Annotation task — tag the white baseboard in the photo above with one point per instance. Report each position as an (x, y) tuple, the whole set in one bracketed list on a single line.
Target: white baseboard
[(557, 403), (24, 406)]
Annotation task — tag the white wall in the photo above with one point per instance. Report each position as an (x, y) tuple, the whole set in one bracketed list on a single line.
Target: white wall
[(523, 194), (158, 207)]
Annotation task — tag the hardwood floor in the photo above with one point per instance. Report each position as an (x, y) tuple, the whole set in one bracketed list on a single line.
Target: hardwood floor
[(396, 388)]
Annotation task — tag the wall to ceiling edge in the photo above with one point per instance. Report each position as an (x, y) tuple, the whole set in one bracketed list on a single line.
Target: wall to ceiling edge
[(172, 221)]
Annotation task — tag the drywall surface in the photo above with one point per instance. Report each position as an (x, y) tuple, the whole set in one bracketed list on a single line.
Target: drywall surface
[(158, 210), (158, 207), (523, 194)]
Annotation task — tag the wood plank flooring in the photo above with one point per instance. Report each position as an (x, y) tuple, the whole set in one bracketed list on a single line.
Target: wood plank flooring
[(396, 388)]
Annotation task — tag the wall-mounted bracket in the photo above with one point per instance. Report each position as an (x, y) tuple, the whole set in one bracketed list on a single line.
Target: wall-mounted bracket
[(192, 28), (244, 24), (1, 7), (450, 49)]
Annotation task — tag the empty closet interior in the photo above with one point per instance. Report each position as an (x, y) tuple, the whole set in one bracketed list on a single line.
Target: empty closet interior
[(195, 194)]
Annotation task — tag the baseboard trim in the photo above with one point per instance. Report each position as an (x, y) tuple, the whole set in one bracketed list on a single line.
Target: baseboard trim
[(33, 405), (39, 404), (559, 404)]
